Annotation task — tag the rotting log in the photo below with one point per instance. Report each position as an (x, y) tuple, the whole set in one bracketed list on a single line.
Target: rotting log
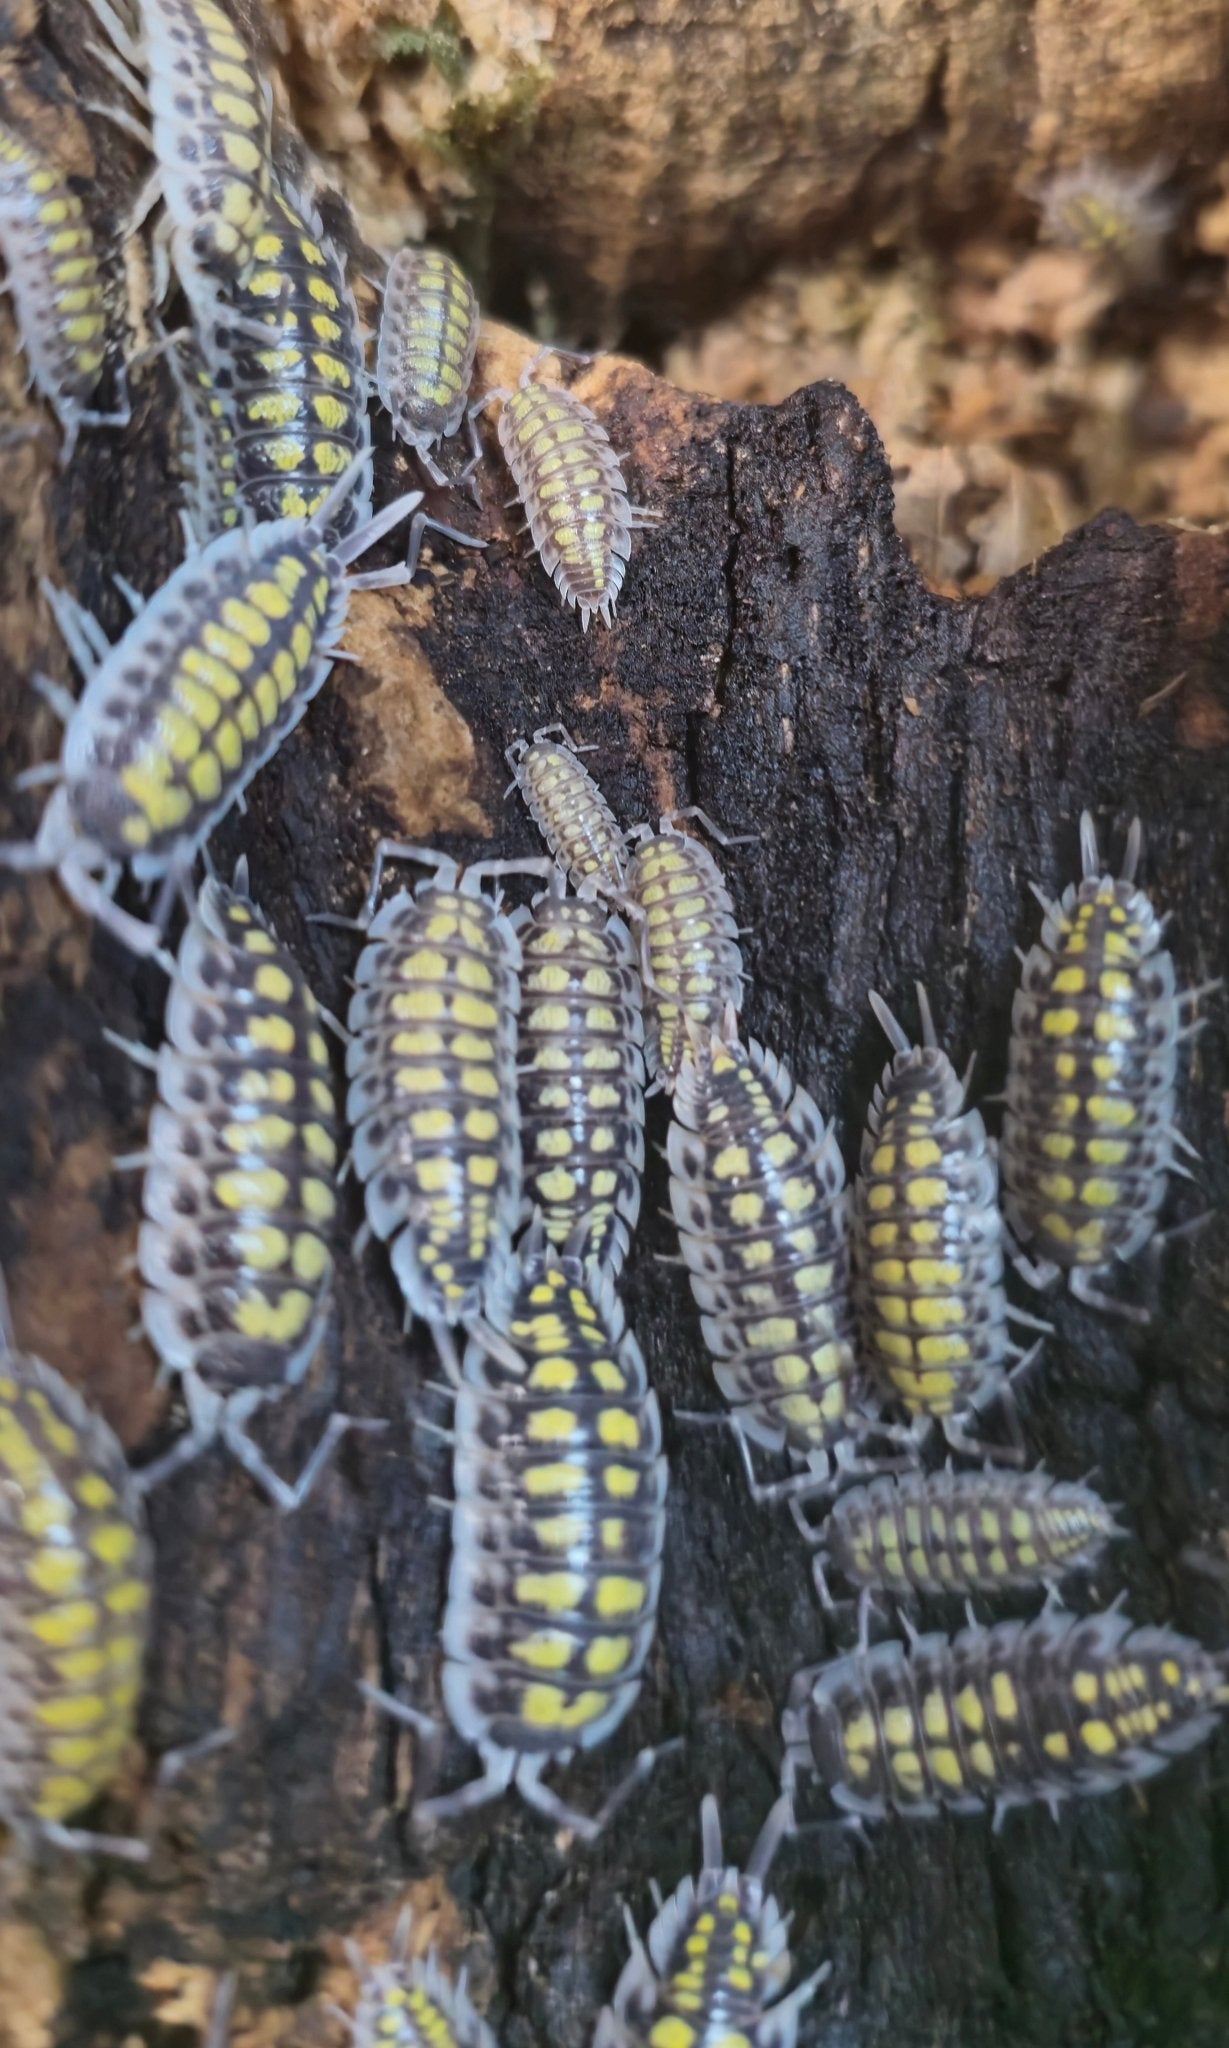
[(908, 764)]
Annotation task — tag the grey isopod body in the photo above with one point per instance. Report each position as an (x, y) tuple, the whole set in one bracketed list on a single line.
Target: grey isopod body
[(963, 1532), (1066, 1706), (427, 343), (715, 1961)]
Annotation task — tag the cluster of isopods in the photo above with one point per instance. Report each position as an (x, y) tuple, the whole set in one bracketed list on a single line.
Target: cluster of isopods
[(498, 1063)]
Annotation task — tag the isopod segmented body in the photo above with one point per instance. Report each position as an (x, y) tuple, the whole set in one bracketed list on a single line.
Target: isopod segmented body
[(712, 1968), (557, 1532), (298, 402), (568, 479), (177, 717), (929, 1239), (433, 1090), (1088, 1135), (409, 2002), (425, 357), (1060, 1707), (570, 811), (207, 456), (75, 1576), (692, 960), (211, 120), (235, 1249), (757, 1188), (581, 1073), (54, 276), (964, 1532)]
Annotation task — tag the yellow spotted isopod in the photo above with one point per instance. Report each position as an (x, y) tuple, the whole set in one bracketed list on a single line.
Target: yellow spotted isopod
[(558, 1527), (715, 1961), (54, 277), (425, 355), (235, 1250), (1089, 1134), (581, 1073), (176, 718), (757, 1189), (76, 1568), (571, 487), (1063, 1707), (210, 111), (928, 1240), (570, 811), (409, 2001)]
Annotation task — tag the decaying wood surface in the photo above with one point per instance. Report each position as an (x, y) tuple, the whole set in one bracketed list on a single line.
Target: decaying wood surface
[(908, 764), (646, 162)]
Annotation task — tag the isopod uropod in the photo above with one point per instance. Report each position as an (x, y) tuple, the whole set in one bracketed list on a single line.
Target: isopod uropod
[(557, 1534), (1050, 1709), (712, 1968), (53, 274), (76, 1569), (1088, 1135), (569, 482)]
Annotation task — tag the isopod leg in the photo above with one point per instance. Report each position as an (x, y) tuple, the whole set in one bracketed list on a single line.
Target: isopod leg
[(529, 1784), (83, 1842)]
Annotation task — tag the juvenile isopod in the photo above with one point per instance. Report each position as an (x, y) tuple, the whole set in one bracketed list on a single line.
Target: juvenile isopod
[(570, 484), (1089, 1134), (929, 1241), (712, 1968), (963, 1532), (570, 811), (425, 356)]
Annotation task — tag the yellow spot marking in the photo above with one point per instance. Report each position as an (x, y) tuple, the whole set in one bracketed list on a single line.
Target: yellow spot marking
[(1099, 1737), (1003, 1694), (898, 1726), (859, 1733), (618, 1595), (546, 1706), (970, 1710), (252, 1188), (113, 1544), (278, 1321), (1060, 1023), (272, 1034), (1112, 1110)]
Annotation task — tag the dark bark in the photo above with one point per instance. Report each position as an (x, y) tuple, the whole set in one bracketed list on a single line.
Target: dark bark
[(908, 764)]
